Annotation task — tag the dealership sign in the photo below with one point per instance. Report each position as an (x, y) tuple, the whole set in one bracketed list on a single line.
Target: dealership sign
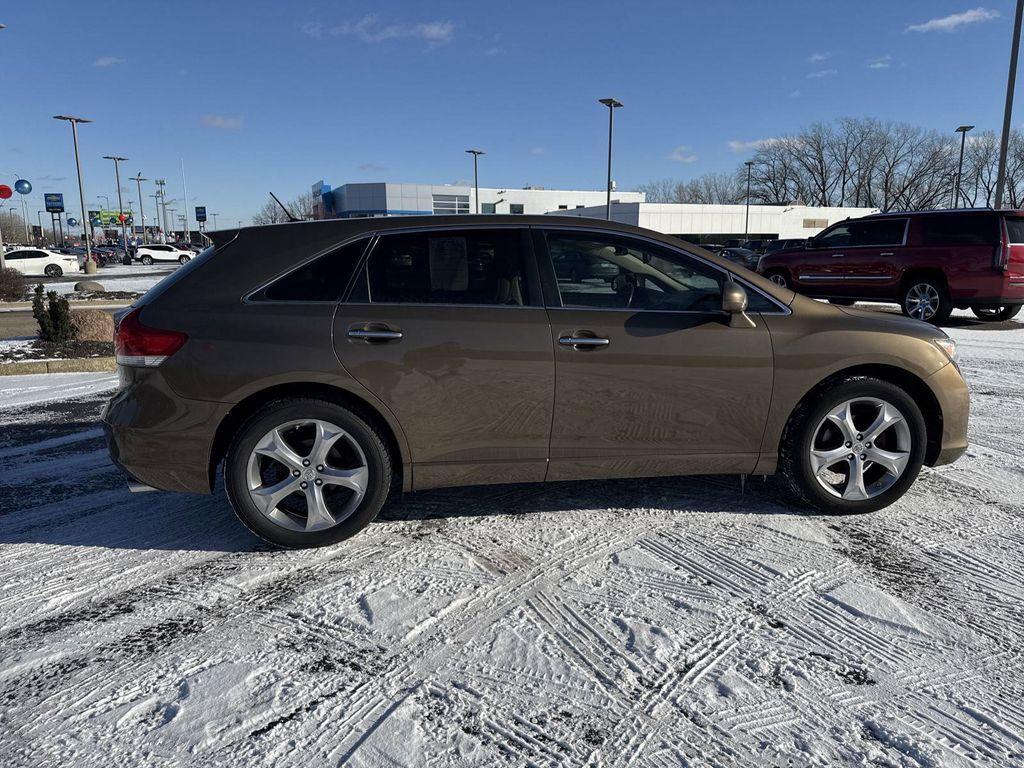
[(54, 202), (200, 213)]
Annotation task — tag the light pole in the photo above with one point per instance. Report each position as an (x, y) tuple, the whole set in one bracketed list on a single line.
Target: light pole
[(137, 178), (962, 130), (214, 217), (120, 204), (42, 233), (476, 177), (612, 105), (1008, 109), (90, 265), (171, 211), (746, 222), (162, 209)]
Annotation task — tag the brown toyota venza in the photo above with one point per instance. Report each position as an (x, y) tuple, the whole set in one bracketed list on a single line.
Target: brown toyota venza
[(326, 364)]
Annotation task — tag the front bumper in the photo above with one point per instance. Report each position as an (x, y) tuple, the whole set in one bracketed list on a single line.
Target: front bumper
[(158, 438), (950, 389)]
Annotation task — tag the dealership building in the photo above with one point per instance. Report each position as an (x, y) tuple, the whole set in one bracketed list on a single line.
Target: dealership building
[(697, 223)]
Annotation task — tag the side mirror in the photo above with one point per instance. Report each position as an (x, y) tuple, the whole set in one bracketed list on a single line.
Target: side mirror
[(734, 301)]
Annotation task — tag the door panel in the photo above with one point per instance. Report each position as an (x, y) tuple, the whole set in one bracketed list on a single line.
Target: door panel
[(667, 384), (467, 384)]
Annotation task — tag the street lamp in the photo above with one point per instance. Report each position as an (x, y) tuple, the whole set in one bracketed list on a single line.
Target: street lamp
[(962, 130), (120, 204), (137, 178), (42, 233), (90, 265), (170, 211), (746, 223), (476, 178), (1008, 109), (214, 217), (612, 104)]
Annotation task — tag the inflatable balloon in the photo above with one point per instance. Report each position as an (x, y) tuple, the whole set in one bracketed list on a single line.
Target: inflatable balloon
[(22, 186)]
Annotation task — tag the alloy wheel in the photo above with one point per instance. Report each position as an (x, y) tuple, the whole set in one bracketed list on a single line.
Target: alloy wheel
[(307, 475), (860, 448), (922, 301), (779, 279)]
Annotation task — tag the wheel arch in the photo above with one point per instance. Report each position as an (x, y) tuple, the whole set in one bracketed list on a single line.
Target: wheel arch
[(909, 382), (918, 273), (249, 405)]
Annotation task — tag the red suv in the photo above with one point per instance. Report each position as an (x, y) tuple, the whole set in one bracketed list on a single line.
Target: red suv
[(928, 261)]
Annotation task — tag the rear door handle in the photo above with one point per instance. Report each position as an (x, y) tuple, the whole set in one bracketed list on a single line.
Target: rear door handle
[(838, 255), (582, 342), (372, 335), (887, 253)]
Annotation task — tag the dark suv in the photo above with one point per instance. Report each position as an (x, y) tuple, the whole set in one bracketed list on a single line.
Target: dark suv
[(928, 261), (325, 364)]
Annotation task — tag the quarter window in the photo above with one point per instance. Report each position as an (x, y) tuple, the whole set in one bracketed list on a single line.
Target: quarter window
[(959, 229), (323, 279), (472, 266), (1015, 230)]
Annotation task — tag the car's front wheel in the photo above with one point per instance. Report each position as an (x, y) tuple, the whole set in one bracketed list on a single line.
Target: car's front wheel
[(779, 277), (307, 473), (996, 314), (856, 447), (53, 270), (147, 260)]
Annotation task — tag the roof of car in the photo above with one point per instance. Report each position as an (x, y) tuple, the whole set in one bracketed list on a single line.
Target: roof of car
[(936, 211)]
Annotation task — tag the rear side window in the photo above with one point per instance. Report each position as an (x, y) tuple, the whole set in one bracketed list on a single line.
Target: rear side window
[(960, 229), (323, 279), (1015, 229), (463, 266)]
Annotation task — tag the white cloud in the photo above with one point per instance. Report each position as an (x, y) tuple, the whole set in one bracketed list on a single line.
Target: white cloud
[(370, 30), (368, 167), (107, 61), (224, 122), (794, 94), (822, 73), (882, 62), (536, 150), (745, 146), (954, 20), (683, 154), (817, 58)]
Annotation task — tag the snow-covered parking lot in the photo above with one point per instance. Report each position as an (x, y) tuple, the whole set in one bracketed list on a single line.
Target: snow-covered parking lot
[(635, 623)]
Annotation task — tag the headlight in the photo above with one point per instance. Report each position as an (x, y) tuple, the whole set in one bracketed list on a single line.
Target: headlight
[(948, 346)]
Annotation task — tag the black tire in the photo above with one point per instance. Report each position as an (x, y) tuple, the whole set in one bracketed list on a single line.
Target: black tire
[(996, 314), (53, 270), (843, 302), (794, 448), (779, 277), (943, 307), (183, 259), (147, 260), (275, 413)]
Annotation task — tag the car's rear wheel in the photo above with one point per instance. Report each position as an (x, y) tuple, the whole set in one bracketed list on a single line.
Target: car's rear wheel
[(307, 473), (146, 259), (53, 270), (996, 314), (926, 299), (778, 277), (856, 447), (183, 259)]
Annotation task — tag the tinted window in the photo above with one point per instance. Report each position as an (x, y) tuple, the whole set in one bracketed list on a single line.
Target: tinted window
[(861, 232), (18, 255), (323, 279), (467, 266), (1015, 230), (959, 229), (608, 272)]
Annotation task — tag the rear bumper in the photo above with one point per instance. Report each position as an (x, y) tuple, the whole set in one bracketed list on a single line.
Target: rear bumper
[(996, 289), (158, 438), (950, 389)]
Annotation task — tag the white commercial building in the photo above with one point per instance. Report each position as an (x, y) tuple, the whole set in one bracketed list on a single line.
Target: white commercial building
[(700, 223)]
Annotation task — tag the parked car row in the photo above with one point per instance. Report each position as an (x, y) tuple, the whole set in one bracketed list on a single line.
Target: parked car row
[(930, 262)]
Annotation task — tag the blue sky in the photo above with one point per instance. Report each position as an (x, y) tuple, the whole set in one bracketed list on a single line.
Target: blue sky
[(258, 96)]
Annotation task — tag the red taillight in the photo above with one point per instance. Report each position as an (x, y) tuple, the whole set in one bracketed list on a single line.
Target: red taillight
[(1001, 257), (138, 344)]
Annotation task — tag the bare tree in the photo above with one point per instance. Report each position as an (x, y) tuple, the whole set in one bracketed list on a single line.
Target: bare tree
[(301, 207)]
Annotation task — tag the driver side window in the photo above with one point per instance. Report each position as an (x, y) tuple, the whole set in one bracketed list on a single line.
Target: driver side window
[(596, 271)]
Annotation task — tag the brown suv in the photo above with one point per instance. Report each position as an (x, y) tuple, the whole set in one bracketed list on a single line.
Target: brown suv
[(324, 364), (928, 261)]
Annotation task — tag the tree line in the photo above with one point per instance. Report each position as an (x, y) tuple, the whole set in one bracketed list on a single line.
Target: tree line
[(861, 162)]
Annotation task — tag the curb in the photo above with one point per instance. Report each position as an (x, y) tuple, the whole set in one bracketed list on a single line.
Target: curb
[(73, 365)]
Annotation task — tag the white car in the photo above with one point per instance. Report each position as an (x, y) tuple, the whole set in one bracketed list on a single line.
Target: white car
[(147, 254), (38, 261)]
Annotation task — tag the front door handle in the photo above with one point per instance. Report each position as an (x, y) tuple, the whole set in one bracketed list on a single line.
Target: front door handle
[(373, 334), (887, 253), (582, 342), (838, 255)]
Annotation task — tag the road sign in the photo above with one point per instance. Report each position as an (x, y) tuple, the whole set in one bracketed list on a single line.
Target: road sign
[(200, 213), (54, 202)]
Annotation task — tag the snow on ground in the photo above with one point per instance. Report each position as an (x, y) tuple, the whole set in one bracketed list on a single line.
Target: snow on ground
[(16, 391), (117, 277), (633, 623)]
